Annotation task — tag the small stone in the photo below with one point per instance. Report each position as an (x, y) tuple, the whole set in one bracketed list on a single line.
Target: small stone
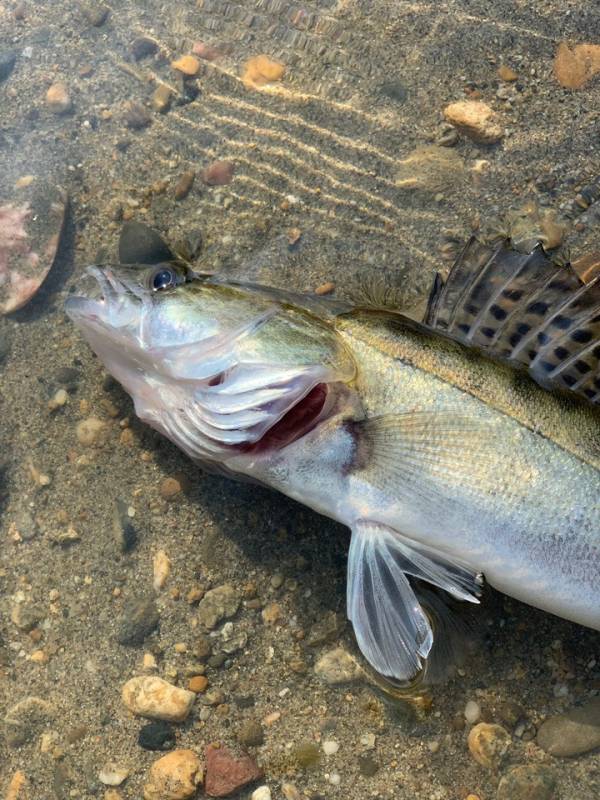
[(156, 736), (475, 119), (112, 775), (136, 117), (139, 618), (367, 766), (330, 747), (218, 604), (261, 70), (573, 68), (213, 697), (271, 614), (184, 185), (188, 65), (325, 630), (161, 98), (92, 432), (472, 712), (26, 615), (58, 98), (198, 684), (507, 74), (307, 754), (58, 400), (325, 288), (529, 782), (142, 47), (510, 712), (97, 15), (226, 773), (250, 734), (7, 63), (175, 776), (26, 720), (218, 173), (202, 647), (161, 566), (488, 744), (337, 666), (141, 244), (152, 697), (205, 51), (290, 792), (262, 793), (170, 488), (123, 528), (18, 788), (573, 733)]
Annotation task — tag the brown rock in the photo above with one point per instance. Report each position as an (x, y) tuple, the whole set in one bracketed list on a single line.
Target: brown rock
[(226, 773), (507, 74), (574, 68), (91, 432), (175, 776), (218, 173), (529, 782), (573, 733), (58, 98), (188, 65), (198, 684), (18, 788), (475, 119), (161, 98), (261, 70), (184, 185), (488, 744), (170, 488), (136, 116)]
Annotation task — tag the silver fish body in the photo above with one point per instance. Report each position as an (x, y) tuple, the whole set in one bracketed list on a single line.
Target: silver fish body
[(445, 465)]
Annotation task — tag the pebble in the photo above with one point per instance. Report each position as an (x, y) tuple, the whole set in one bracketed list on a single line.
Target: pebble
[(262, 793), (184, 185), (505, 73), (170, 488), (198, 684), (161, 98), (142, 47), (330, 747), (307, 754), (26, 615), (218, 173), (472, 712), (227, 773), (58, 400), (141, 244), (26, 719), (325, 288), (58, 98), (156, 736), (188, 65), (97, 15), (271, 613), (213, 697), (573, 733), (528, 782), (430, 169), (138, 620), (290, 792), (123, 528), (18, 788), (202, 647), (136, 117), (175, 776), (7, 62), (161, 566), (488, 744), (205, 51), (337, 666), (155, 698), (91, 432), (573, 68), (325, 630), (218, 604), (250, 734), (261, 70), (475, 119), (112, 775)]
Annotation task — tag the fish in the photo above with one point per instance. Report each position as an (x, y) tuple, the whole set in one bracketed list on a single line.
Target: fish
[(461, 448)]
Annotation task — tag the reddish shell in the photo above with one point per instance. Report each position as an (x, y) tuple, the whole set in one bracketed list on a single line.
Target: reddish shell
[(218, 173)]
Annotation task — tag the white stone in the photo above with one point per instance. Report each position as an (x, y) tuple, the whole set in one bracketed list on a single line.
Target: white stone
[(330, 747), (472, 712), (262, 793), (152, 697), (112, 775)]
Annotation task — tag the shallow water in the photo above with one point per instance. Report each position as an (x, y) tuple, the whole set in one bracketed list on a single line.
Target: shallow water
[(319, 158)]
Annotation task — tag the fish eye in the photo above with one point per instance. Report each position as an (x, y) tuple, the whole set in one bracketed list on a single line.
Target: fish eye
[(163, 278)]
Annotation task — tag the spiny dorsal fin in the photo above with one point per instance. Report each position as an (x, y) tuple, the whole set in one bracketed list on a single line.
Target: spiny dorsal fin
[(524, 309)]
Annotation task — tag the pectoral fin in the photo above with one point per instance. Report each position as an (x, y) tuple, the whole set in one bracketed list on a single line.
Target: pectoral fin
[(391, 627)]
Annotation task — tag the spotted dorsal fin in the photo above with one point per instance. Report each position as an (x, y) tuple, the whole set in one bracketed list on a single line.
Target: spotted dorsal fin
[(524, 309)]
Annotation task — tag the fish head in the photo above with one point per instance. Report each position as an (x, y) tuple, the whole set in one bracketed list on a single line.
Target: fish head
[(219, 367)]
